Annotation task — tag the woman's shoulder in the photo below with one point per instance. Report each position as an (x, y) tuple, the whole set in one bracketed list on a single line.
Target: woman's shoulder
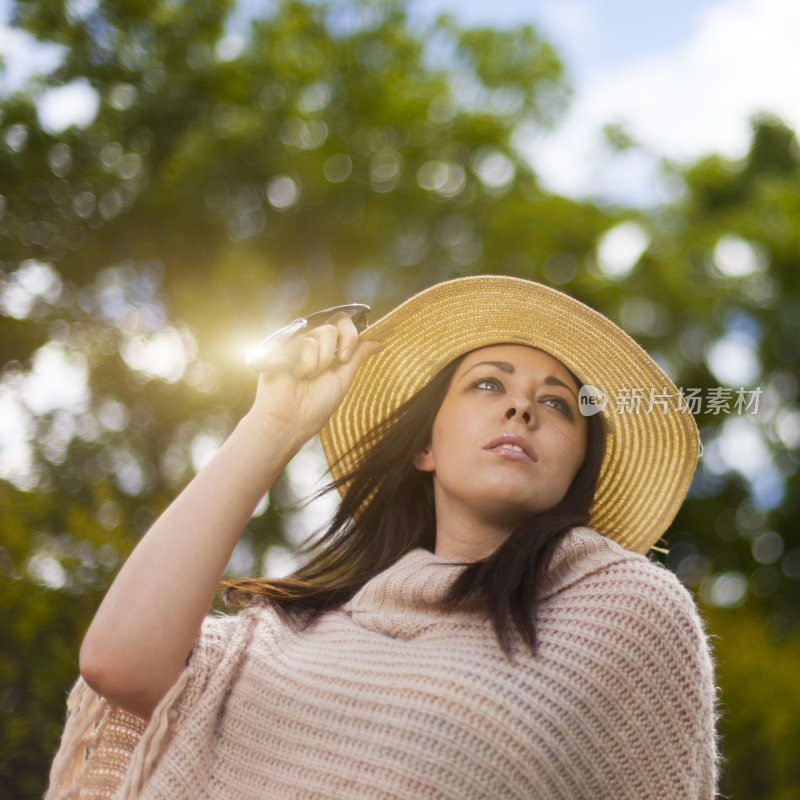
[(636, 650), (593, 571), (221, 633), (629, 614)]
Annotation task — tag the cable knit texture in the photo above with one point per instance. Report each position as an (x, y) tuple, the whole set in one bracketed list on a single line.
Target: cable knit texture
[(388, 698)]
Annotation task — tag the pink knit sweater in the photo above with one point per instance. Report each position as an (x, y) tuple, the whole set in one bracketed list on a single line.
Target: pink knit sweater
[(385, 698)]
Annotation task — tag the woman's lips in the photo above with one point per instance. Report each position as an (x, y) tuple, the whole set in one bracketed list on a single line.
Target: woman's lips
[(511, 446)]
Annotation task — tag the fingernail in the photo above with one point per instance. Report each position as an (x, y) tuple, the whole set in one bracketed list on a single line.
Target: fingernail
[(344, 354)]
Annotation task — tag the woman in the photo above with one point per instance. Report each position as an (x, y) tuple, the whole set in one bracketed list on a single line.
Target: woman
[(461, 631)]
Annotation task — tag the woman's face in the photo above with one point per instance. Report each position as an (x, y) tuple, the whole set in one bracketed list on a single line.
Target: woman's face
[(508, 439)]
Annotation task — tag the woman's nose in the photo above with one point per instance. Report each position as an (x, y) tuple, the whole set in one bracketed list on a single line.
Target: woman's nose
[(525, 414)]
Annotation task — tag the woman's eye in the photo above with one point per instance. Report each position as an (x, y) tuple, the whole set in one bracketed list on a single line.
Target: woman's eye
[(559, 405), (489, 384)]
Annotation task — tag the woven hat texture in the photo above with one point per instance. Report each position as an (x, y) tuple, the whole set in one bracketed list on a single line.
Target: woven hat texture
[(651, 452)]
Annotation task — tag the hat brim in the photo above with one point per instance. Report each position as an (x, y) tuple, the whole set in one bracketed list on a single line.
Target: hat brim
[(651, 451)]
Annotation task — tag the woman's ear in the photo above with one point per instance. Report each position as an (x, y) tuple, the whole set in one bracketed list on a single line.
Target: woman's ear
[(424, 461)]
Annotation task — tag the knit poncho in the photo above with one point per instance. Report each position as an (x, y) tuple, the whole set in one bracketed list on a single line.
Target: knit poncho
[(386, 698)]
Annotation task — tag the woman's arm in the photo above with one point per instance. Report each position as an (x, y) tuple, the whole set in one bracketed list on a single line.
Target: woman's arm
[(141, 636)]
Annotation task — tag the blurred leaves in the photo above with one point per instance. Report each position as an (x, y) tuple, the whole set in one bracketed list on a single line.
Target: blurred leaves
[(760, 695), (234, 177)]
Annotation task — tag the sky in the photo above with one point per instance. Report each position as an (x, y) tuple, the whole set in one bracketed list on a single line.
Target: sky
[(682, 77)]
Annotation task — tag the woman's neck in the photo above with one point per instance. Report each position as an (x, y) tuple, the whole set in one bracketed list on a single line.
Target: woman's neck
[(463, 536)]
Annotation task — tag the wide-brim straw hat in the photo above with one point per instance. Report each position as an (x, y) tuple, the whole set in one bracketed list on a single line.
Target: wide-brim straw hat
[(651, 444)]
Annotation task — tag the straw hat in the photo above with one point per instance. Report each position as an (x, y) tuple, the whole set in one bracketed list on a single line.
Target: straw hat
[(651, 451)]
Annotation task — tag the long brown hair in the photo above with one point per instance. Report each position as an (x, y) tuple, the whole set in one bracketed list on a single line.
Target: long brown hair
[(388, 510)]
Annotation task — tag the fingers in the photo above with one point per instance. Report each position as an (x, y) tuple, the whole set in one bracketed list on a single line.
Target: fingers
[(362, 352), (307, 357), (328, 346), (327, 338), (318, 354), (348, 335), (321, 347)]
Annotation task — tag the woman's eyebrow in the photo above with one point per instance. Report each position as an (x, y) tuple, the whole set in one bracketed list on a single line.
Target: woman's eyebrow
[(551, 380), (503, 366)]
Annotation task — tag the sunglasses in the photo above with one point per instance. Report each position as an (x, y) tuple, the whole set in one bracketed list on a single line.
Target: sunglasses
[(266, 357)]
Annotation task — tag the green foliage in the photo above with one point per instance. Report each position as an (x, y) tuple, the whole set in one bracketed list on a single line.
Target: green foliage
[(42, 627), (338, 153), (747, 211), (216, 193), (759, 704)]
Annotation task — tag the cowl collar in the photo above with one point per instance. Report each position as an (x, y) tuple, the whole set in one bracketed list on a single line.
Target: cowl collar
[(400, 601)]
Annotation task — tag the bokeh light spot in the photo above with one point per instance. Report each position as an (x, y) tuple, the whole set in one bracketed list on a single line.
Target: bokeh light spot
[(767, 548), (62, 107), (620, 249), (283, 192), (736, 257), (725, 590), (494, 169), (338, 168)]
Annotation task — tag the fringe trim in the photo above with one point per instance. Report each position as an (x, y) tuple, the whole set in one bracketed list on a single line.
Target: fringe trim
[(86, 712), (145, 756)]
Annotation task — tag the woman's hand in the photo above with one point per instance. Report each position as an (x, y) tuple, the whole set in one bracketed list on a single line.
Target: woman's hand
[(311, 376)]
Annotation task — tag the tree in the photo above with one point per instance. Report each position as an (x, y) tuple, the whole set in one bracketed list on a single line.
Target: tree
[(756, 671), (335, 151), (732, 240), (335, 155)]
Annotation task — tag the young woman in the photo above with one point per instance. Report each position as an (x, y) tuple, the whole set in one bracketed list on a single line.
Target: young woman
[(477, 621)]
